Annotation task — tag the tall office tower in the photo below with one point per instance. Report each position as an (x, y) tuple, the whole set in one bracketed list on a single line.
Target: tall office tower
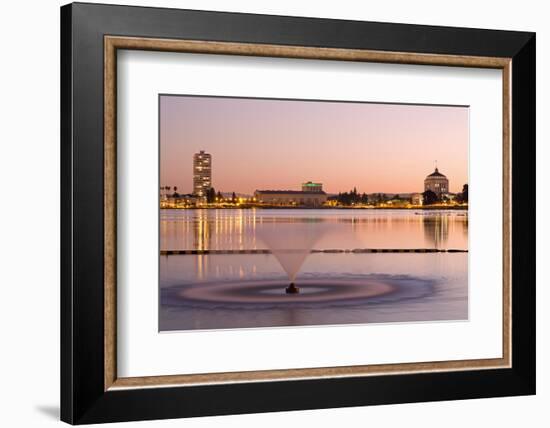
[(202, 173)]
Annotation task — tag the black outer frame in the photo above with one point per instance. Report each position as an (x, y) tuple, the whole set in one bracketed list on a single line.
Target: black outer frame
[(83, 399)]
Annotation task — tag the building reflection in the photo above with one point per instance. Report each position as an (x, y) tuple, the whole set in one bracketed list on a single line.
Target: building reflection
[(237, 230), (202, 232), (220, 230), (202, 237), (436, 230)]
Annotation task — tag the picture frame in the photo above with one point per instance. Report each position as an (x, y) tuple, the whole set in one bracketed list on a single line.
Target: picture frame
[(91, 390)]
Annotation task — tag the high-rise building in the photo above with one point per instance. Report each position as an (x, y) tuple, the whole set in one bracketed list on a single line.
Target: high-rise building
[(437, 183), (202, 173)]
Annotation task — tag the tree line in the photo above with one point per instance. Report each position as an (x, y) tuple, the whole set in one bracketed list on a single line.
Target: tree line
[(430, 198), (354, 197), (211, 194)]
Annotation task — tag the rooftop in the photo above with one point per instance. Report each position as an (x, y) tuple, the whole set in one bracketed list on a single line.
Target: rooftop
[(436, 173), (292, 192)]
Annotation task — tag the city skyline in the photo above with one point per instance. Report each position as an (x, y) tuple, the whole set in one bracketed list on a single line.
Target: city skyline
[(277, 144)]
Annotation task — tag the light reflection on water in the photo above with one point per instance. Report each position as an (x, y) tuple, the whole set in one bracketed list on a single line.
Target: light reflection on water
[(443, 274), (226, 229)]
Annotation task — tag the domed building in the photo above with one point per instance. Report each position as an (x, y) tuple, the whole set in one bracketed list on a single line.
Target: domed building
[(437, 183)]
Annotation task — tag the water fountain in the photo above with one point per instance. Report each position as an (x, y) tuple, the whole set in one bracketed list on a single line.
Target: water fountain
[(291, 244), (320, 296)]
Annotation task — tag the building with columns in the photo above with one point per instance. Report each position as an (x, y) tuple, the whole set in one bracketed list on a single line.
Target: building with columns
[(311, 195)]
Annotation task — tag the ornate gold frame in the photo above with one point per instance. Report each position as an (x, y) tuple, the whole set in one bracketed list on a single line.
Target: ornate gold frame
[(113, 43)]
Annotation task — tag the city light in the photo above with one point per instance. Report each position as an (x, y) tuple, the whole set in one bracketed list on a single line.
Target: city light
[(311, 195)]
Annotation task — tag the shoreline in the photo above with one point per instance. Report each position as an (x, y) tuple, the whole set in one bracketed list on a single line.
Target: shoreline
[(251, 207)]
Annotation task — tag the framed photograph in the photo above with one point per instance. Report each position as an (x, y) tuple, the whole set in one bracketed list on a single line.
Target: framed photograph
[(266, 213)]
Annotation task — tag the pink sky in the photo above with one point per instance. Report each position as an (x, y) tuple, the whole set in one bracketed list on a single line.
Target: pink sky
[(278, 144)]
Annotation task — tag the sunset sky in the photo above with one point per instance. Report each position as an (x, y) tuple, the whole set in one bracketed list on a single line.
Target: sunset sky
[(278, 144)]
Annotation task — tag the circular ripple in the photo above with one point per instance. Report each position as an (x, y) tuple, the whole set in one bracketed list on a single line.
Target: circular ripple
[(313, 292)]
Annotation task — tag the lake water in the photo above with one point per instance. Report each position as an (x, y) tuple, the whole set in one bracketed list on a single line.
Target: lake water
[(221, 291)]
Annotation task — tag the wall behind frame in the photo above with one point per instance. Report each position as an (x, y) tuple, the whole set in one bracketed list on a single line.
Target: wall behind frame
[(29, 230)]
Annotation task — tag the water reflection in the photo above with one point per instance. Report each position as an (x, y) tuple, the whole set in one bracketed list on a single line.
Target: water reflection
[(431, 287), (239, 229), (207, 274), (436, 230), (201, 226)]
